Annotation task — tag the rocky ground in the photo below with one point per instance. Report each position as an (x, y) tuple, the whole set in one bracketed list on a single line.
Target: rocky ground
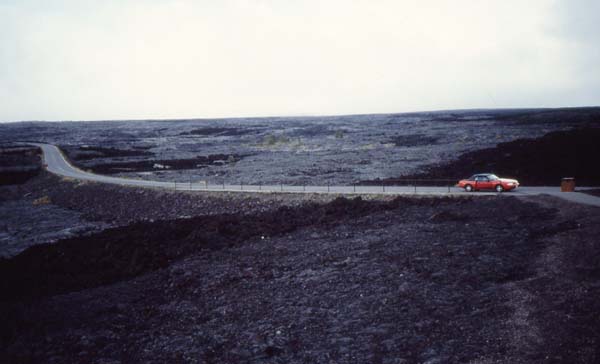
[(470, 280), (24, 224), (293, 150), (18, 163), (593, 192), (94, 273), (48, 208), (542, 161), (124, 160)]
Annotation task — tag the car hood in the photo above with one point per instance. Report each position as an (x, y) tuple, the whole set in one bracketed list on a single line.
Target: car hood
[(508, 180)]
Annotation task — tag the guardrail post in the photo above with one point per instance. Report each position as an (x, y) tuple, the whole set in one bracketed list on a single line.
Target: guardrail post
[(175, 186), (241, 186), (383, 188), (354, 187), (304, 188), (259, 187), (415, 188), (328, 187), (223, 184)]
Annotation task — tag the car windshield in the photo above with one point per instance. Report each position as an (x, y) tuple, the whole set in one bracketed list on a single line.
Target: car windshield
[(492, 177)]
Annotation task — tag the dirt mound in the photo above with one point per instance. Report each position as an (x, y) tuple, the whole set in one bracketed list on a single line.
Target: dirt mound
[(413, 140), (18, 164), (218, 131), (84, 153), (534, 162), (444, 216), (167, 164), (124, 205), (115, 254)]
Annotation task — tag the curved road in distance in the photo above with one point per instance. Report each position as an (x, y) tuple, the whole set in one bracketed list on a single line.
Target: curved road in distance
[(56, 163)]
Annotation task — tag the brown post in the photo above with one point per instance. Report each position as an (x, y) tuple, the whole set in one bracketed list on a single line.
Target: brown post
[(567, 184)]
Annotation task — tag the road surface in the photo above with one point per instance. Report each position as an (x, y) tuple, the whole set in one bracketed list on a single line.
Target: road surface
[(56, 163)]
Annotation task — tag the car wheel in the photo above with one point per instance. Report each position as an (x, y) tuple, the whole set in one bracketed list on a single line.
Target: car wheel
[(499, 188), (468, 188)]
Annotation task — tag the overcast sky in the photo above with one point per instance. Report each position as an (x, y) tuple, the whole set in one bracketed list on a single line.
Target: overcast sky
[(126, 59)]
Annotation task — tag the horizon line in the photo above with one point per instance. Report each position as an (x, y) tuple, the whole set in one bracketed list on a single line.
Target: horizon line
[(308, 115)]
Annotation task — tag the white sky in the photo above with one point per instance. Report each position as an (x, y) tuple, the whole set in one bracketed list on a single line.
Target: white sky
[(120, 59)]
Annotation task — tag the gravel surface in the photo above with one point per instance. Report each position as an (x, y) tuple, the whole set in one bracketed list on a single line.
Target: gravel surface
[(295, 150), (351, 281), (23, 224)]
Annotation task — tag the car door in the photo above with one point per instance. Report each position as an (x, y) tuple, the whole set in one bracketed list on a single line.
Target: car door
[(482, 183), (477, 182)]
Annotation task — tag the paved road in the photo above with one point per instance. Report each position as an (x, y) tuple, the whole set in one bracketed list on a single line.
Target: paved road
[(57, 164)]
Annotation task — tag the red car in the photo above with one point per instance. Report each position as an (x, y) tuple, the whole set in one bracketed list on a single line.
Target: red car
[(487, 181)]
